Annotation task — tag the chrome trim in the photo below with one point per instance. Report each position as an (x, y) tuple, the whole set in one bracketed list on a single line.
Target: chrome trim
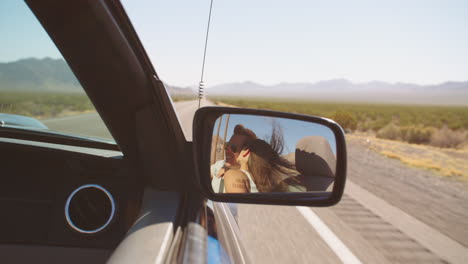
[(229, 233), (67, 205)]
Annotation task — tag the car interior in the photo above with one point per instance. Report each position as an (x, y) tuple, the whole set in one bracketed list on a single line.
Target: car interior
[(141, 172), (37, 181)]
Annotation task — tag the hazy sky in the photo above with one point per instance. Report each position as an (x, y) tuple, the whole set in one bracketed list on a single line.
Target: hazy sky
[(269, 41)]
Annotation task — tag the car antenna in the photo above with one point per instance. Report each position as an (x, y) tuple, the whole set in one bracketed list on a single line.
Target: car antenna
[(201, 85)]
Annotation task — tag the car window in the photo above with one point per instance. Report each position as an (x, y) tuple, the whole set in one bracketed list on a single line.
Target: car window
[(38, 90)]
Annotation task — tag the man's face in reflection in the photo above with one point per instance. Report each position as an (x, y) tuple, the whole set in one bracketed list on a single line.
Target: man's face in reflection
[(233, 148)]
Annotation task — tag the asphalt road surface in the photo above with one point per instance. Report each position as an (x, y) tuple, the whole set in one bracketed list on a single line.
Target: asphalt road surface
[(390, 213), (86, 124)]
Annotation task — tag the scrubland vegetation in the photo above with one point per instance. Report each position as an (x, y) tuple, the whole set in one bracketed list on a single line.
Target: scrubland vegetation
[(44, 105), (179, 97), (441, 126)]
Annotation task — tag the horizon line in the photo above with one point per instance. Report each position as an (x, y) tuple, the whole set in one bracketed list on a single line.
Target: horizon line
[(195, 85)]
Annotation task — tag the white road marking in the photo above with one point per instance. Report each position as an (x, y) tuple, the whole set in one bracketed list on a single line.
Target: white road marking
[(340, 249)]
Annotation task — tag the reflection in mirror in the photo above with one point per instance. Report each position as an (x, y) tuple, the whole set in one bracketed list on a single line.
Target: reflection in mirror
[(252, 154)]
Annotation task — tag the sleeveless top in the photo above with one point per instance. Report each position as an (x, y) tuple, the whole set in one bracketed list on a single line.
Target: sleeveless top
[(253, 187)]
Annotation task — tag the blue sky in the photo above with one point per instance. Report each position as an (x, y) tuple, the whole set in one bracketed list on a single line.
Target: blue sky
[(21, 34), (293, 130), (273, 41)]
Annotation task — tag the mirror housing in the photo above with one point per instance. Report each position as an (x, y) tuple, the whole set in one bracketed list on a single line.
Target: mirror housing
[(203, 127)]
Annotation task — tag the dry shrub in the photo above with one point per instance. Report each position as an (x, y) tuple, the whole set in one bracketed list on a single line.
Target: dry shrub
[(345, 119), (448, 138), (410, 134), (365, 125), (390, 131), (417, 134)]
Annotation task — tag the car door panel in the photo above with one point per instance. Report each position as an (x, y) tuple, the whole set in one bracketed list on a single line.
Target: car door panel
[(44, 254), (150, 237)]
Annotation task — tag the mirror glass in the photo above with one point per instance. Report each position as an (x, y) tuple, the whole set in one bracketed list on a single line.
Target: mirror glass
[(252, 154)]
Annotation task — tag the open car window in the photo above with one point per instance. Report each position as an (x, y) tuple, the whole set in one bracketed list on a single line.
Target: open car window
[(38, 90)]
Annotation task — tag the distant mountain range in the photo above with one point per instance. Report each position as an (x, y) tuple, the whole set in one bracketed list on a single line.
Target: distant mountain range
[(179, 91), (448, 93), (38, 75), (49, 75), (54, 75)]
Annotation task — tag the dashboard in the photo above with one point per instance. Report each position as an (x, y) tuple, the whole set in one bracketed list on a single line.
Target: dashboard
[(63, 196)]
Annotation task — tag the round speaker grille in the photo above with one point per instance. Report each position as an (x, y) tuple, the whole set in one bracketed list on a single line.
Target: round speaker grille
[(89, 209)]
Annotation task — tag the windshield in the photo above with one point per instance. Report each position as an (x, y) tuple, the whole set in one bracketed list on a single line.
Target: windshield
[(38, 90)]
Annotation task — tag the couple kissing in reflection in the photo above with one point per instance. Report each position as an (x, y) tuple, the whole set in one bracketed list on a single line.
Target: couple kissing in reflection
[(251, 164)]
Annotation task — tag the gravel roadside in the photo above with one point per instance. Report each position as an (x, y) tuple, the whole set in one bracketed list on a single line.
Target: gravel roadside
[(441, 202)]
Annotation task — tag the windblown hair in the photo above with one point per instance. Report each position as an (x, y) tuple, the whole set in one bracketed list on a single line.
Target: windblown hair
[(241, 130), (266, 166)]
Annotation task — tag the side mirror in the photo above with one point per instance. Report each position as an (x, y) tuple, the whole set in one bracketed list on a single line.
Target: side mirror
[(266, 157)]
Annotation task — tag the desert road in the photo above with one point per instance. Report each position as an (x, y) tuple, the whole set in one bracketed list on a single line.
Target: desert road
[(390, 213)]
